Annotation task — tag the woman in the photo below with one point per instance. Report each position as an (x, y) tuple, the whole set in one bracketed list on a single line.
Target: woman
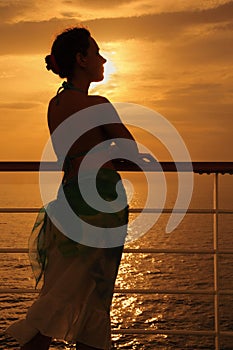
[(75, 299)]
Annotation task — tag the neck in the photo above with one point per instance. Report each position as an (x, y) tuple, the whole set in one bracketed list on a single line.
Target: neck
[(80, 84)]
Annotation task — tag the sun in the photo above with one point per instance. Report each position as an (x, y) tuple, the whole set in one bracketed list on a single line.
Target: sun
[(109, 68)]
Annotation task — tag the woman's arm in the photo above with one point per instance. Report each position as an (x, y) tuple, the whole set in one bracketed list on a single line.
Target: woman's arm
[(117, 129)]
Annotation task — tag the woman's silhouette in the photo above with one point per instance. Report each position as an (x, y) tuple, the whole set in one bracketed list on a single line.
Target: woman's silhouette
[(76, 295)]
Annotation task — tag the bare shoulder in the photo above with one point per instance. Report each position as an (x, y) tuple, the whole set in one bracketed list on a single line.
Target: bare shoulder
[(76, 103), (52, 102), (97, 99), (69, 102)]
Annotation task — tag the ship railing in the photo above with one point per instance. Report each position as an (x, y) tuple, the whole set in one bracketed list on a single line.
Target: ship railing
[(214, 168)]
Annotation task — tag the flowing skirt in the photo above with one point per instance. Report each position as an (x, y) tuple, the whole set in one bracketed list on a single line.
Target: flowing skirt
[(78, 280)]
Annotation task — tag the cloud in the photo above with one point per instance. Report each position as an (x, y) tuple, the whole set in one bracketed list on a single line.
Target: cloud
[(70, 14), (124, 8), (205, 50), (11, 10), (101, 3), (35, 37), (31, 37), (39, 10), (19, 105), (163, 26)]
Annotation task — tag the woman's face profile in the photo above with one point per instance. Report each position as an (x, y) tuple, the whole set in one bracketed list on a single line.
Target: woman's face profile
[(94, 62)]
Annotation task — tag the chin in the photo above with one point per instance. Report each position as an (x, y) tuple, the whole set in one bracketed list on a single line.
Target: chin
[(98, 79)]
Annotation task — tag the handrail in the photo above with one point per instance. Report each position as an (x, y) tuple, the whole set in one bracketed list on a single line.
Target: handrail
[(11, 210), (132, 291), (126, 165), (141, 251)]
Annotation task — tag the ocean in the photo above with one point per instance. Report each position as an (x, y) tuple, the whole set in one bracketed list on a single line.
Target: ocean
[(142, 270)]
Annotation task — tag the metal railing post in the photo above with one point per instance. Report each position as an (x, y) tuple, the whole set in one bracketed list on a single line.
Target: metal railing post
[(216, 265)]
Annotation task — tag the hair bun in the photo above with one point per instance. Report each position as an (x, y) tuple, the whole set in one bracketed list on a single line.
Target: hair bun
[(51, 64)]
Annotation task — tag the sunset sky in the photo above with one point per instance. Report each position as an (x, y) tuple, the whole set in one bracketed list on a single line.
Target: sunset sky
[(173, 56)]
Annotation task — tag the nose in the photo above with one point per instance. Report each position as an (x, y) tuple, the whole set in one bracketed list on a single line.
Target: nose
[(104, 60)]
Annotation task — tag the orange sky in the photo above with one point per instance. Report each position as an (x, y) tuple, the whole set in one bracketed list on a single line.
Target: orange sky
[(174, 56)]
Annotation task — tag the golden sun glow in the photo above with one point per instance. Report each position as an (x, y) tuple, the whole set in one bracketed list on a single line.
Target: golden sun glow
[(109, 68)]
